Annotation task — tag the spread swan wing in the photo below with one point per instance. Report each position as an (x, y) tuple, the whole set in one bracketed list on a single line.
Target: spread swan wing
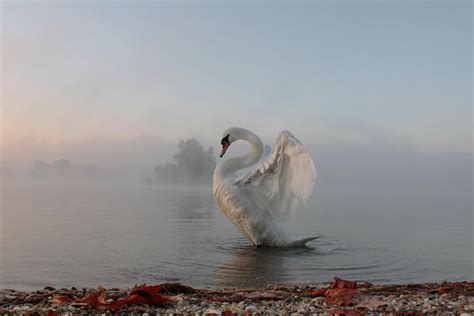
[(283, 180)]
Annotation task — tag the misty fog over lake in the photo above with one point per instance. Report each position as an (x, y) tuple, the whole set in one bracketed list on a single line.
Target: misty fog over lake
[(383, 216)]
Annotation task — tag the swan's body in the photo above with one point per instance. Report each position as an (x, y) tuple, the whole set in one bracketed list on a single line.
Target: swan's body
[(258, 191)]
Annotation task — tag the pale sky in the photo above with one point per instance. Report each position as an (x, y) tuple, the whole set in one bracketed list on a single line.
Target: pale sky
[(346, 71)]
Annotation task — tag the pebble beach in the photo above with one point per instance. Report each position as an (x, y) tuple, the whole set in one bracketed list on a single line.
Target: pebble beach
[(339, 297)]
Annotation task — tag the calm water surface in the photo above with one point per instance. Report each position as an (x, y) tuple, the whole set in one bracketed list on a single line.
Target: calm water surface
[(117, 235)]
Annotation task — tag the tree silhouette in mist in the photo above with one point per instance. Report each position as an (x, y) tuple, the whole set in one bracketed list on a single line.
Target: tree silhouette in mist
[(192, 164)]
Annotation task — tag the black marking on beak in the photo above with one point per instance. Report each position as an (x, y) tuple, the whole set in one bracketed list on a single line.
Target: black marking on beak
[(225, 144)]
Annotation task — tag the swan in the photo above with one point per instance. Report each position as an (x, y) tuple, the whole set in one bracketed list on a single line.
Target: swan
[(258, 191)]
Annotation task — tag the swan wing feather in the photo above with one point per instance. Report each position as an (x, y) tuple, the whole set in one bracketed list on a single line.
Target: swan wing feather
[(242, 173), (284, 179)]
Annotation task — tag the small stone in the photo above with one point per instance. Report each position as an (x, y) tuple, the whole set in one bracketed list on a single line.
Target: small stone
[(289, 299), (444, 297), (211, 311), (251, 309)]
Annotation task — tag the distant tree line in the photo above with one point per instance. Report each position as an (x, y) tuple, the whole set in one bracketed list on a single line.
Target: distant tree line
[(192, 164), (63, 168)]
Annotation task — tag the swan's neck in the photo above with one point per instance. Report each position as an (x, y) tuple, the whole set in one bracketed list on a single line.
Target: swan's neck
[(230, 166)]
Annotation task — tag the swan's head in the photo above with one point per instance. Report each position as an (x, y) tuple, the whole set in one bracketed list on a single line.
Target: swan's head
[(229, 136)]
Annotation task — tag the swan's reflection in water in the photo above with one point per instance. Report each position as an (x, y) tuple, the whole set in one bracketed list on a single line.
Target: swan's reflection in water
[(252, 267)]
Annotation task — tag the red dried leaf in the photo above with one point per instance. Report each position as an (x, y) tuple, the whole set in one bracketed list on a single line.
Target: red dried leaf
[(113, 305), (91, 299), (441, 290), (342, 284), (148, 294), (133, 298), (320, 292), (96, 299), (139, 294), (50, 313), (145, 294), (150, 289), (59, 299), (340, 292), (458, 284), (341, 296)]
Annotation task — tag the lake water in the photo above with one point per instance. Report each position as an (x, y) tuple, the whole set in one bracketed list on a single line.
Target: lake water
[(118, 235)]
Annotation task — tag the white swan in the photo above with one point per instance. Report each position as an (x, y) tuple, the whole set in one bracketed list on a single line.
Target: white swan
[(258, 191)]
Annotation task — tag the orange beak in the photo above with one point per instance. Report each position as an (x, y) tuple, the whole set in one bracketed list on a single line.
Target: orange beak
[(224, 148)]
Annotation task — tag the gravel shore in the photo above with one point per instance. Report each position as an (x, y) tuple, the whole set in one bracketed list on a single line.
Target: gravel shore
[(340, 297)]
